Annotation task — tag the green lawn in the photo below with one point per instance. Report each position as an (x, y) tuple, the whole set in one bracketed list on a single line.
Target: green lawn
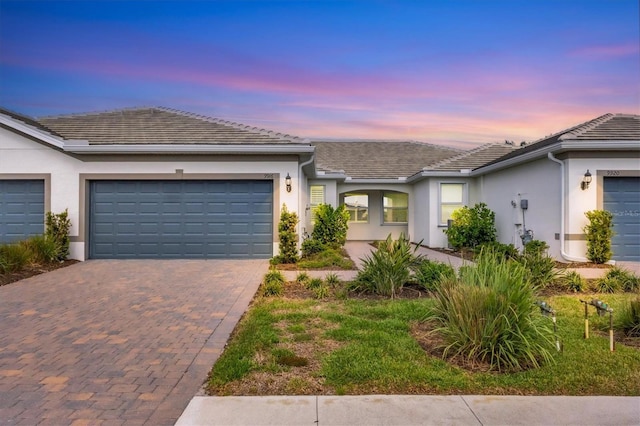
[(304, 346)]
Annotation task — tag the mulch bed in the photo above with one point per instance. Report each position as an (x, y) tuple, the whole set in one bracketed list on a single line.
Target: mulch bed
[(32, 270)]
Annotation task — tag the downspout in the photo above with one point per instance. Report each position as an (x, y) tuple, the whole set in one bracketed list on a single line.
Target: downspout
[(306, 163), (562, 212)]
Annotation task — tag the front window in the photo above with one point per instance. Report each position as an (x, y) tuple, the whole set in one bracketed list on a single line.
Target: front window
[(452, 197), (396, 207), (316, 197), (358, 207)]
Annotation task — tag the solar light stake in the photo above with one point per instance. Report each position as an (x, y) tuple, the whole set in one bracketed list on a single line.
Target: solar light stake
[(610, 329), (546, 310), (586, 319)]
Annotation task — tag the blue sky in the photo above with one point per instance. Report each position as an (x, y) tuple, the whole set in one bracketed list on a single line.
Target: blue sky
[(455, 72)]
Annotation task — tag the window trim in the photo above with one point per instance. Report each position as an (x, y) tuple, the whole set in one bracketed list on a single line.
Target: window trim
[(384, 221), (464, 201)]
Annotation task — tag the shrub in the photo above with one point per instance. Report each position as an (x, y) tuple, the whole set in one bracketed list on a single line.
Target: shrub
[(540, 266), (388, 268), (273, 283), (429, 273), (507, 251), (315, 283), (311, 246), (43, 249), (321, 292), (14, 257), (628, 319), (573, 281), (472, 227), (488, 315), (331, 225), (302, 278), (329, 258), (288, 236), (57, 230), (617, 279), (599, 232), (332, 279)]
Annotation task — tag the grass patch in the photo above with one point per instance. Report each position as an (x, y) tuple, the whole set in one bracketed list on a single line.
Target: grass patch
[(369, 347), (329, 258)]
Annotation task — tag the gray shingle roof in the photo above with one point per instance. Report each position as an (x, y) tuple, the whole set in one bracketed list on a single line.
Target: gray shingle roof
[(379, 159), (474, 158), (160, 126), (28, 121), (608, 127)]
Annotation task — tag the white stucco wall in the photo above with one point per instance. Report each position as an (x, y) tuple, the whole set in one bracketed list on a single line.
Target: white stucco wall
[(539, 183), (22, 156)]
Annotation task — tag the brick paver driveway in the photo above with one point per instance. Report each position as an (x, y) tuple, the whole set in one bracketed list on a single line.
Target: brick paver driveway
[(117, 342)]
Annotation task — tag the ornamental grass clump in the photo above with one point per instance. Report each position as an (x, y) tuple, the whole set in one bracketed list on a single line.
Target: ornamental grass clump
[(488, 315), (628, 320), (388, 268)]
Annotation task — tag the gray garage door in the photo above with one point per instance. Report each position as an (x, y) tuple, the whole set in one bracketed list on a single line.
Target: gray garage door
[(21, 209), (622, 198), (181, 219)]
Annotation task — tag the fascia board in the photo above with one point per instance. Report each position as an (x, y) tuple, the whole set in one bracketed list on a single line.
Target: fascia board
[(429, 173), (42, 136), (558, 148), (189, 149), (377, 181)]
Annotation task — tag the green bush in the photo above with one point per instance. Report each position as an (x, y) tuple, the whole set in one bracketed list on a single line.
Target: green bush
[(43, 249), (312, 246), (288, 236), (328, 258), (628, 319), (332, 279), (573, 281), (331, 225), (507, 251), (57, 230), (472, 227), (540, 266), (321, 292), (616, 280), (489, 315), (599, 232), (273, 283), (315, 283), (302, 278), (429, 273), (388, 268), (14, 257)]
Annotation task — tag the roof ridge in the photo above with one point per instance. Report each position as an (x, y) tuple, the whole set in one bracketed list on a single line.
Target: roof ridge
[(585, 127), (235, 125), (461, 155), (364, 140)]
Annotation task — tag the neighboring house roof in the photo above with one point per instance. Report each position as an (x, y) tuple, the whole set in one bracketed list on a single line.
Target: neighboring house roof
[(378, 159), (602, 131), (160, 126), (473, 158)]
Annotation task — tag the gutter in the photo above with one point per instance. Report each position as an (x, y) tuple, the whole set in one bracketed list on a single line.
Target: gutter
[(564, 255)]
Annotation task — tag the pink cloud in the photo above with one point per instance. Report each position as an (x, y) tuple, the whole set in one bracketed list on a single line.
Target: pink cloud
[(608, 51)]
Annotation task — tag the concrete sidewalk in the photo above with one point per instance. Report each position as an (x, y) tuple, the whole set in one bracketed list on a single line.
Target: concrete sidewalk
[(412, 410)]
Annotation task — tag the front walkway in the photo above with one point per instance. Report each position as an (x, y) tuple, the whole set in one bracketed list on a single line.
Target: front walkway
[(117, 342)]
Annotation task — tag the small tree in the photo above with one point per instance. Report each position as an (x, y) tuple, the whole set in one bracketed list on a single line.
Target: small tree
[(288, 236), (58, 226), (472, 226), (599, 232), (331, 225)]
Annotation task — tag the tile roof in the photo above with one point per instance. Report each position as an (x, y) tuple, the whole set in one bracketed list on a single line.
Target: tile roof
[(608, 127), (473, 158), (156, 125), (28, 121), (379, 159)]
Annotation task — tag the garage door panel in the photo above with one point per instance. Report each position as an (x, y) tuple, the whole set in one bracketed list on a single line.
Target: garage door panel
[(21, 209), (190, 219), (621, 197)]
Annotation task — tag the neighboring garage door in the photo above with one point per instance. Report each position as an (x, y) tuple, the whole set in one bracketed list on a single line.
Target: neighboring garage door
[(181, 219), (622, 198), (21, 209)]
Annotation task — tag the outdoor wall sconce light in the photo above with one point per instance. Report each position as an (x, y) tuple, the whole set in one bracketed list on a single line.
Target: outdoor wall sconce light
[(287, 182), (586, 180)]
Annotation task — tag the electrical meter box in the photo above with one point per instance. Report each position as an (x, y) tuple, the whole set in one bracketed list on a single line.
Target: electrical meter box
[(524, 204)]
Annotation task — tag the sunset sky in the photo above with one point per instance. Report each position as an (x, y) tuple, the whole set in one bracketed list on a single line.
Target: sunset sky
[(454, 72)]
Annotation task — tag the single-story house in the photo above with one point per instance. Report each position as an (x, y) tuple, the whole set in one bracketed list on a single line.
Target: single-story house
[(162, 183)]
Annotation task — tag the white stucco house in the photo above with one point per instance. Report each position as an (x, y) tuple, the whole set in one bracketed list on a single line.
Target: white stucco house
[(161, 183)]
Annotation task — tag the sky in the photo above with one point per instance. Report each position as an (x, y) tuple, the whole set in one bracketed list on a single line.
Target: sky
[(460, 73)]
